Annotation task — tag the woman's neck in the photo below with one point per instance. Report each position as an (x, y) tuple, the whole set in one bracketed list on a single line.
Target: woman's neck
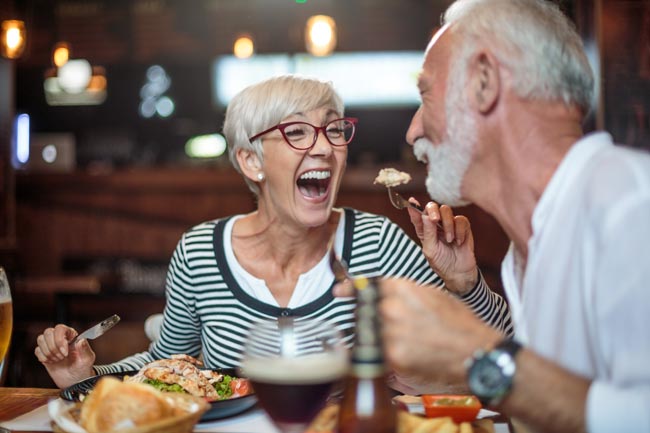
[(287, 246)]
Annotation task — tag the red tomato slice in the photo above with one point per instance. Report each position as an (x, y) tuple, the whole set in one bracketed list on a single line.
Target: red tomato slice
[(240, 387)]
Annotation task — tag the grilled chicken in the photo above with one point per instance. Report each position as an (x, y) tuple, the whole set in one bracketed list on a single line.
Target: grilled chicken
[(181, 370)]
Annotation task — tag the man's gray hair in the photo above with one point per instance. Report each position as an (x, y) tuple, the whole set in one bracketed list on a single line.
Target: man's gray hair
[(263, 105), (535, 40)]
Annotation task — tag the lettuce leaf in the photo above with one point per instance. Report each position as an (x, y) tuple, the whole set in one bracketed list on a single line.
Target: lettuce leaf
[(165, 387), (223, 387)]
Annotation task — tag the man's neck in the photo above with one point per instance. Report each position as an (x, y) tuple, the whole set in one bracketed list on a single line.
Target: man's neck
[(513, 169)]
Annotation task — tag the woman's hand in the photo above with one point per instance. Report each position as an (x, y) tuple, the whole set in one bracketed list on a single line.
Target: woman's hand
[(450, 251), (67, 364)]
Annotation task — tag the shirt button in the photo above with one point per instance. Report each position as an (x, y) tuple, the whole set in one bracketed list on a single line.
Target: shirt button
[(286, 312)]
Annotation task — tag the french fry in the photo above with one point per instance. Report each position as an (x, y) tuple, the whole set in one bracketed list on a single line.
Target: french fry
[(325, 422), (408, 423), (437, 425)]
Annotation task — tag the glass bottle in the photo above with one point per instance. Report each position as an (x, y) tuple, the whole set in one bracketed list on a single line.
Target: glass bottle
[(366, 406)]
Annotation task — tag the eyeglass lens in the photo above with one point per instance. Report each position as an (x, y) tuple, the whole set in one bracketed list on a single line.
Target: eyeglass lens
[(304, 135)]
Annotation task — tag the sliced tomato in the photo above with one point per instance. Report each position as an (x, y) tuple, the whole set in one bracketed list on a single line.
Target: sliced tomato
[(240, 387)]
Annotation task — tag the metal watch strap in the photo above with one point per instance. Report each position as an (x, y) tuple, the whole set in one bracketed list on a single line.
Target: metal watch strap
[(494, 360), (511, 347)]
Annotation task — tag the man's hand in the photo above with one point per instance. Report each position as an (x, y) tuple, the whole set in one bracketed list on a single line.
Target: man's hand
[(428, 335), (450, 251)]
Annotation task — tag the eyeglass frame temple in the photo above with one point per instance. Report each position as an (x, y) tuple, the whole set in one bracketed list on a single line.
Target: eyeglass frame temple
[(318, 129)]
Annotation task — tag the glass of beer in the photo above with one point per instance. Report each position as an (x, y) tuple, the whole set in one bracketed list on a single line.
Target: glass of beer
[(6, 321), (293, 364)]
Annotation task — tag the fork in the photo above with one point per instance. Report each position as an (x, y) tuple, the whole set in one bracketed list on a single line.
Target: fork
[(401, 203), (339, 268)]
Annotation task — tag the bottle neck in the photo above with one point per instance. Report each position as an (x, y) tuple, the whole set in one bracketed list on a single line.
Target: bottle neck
[(367, 353)]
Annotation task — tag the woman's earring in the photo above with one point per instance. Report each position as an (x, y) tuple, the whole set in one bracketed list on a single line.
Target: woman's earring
[(260, 176)]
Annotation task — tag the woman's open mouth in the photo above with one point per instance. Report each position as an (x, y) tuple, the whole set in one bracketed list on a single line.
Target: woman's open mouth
[(315, 183)]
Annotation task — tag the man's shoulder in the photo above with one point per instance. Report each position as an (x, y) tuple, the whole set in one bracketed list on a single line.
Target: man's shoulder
[(620, 169)]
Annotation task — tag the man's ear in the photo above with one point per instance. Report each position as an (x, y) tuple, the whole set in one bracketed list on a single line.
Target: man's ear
[(249, 163), (484, 81)]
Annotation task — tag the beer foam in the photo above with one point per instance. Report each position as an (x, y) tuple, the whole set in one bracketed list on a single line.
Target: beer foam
[(6, 299), (309, 369)]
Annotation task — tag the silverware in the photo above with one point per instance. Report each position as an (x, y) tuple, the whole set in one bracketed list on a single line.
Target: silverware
[(401, 203), (97, 330), (287, 339), (339, 267)]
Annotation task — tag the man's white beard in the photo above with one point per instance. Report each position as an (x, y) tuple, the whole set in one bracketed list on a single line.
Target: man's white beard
[(448, 161), (446, 168)]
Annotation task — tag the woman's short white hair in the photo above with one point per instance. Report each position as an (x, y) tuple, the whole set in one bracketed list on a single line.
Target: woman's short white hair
[(535, 40), (265, 104)]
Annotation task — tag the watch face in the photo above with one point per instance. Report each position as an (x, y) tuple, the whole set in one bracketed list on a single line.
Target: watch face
[(486, 378)]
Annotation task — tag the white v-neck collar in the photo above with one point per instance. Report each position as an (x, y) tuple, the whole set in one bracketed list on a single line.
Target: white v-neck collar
[(310, 286)]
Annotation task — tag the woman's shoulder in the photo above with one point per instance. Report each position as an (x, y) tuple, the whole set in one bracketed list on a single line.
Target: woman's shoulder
[(202, 233), (206, 227), (363, 219), (360, 215)]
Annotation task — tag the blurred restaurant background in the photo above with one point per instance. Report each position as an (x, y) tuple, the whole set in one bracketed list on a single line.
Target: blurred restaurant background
[(110, 121)]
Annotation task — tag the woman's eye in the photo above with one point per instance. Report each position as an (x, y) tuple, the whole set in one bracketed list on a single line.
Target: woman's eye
[(295, 132), (334, 131)]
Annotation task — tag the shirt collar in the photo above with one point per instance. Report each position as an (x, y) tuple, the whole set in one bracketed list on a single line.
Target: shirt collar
[(569, 169)]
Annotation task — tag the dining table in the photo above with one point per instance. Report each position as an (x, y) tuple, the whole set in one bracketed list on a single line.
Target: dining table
[(15, 402), (24, 410)]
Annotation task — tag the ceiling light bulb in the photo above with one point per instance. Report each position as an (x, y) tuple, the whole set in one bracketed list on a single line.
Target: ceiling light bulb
[(243, 47), (61, 54), (320, 35), (12, 38)]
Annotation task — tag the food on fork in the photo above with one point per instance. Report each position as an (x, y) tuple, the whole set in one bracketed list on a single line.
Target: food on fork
[(181, 373), (391, 177)]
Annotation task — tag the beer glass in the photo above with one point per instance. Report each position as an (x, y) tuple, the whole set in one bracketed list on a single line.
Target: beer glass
[(6, 321), (293, 364)]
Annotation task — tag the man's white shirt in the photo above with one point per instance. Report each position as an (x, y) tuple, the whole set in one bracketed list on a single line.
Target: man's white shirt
[(583, 299)]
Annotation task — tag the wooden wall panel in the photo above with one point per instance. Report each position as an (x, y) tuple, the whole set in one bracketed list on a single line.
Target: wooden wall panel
[(141, 214)]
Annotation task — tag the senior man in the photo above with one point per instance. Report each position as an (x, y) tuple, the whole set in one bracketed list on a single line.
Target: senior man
[(505, 87)]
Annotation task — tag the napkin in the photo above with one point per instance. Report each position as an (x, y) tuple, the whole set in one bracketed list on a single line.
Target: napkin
[(60, 413), (251, 421)]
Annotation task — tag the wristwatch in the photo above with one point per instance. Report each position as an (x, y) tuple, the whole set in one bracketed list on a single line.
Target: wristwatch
[(490, 372)]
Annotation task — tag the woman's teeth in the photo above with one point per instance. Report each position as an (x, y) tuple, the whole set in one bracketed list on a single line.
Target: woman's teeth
[(316, 175), (314, 183)]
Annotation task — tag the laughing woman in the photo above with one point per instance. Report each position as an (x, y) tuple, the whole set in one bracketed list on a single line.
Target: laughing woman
[(288, 137)]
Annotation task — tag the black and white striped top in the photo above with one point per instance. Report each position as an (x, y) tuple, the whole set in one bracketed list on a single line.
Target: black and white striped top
[(208, 313)]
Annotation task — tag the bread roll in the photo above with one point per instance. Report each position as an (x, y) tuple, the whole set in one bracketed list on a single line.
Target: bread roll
[(114, 405)]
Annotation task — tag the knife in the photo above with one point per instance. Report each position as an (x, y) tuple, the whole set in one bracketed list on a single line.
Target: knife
[(97, 330)]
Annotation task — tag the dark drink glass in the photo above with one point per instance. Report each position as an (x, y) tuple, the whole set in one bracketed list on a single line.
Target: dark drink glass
[(293, 364)]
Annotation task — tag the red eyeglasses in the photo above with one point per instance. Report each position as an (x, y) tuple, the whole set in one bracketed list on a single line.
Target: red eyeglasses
[(303, 135)]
